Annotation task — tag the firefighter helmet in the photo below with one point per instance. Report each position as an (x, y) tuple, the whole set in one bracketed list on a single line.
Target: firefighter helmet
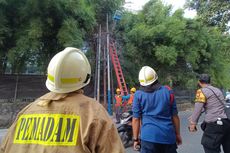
[(147, 76), (133, 90), (68, 70)]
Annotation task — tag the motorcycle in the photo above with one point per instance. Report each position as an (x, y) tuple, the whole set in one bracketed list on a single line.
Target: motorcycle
[(125, 128)]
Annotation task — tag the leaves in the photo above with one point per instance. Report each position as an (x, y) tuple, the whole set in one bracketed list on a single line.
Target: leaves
[(176, 47), (212, 12), (32, 31)]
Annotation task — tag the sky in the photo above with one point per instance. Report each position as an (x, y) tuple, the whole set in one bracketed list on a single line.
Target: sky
[(137, 5)]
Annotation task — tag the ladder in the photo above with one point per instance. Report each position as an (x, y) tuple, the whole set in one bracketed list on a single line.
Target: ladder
[(117, 68)]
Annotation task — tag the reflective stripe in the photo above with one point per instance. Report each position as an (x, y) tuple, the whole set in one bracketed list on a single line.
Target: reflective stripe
[(50, 77), (70, 80), (65, 80), (147, 79)]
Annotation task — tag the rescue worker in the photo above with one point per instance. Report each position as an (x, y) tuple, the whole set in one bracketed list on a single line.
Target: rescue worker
[(118, 105), (129, 98), (64, 120), (216, 126), (155, 107)]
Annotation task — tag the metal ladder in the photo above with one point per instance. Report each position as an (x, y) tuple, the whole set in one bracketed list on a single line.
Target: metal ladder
[(117, 67)]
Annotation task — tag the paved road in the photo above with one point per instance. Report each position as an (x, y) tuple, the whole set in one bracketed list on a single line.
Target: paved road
[(191, 141)]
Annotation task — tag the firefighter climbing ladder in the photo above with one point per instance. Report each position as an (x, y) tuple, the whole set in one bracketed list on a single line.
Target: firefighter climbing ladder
[(117, 67)]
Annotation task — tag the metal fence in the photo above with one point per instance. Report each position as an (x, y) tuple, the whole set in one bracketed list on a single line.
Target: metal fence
[(27, 87), (14, 87)]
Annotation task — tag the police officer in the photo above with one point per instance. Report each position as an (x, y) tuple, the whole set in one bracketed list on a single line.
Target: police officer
[(155, 107), (216, 126), (64, 120)]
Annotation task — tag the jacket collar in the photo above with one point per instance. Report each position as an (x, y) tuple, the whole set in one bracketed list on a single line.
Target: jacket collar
[(58, 96), (151, 88)]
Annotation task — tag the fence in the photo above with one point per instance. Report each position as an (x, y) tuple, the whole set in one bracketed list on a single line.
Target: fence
[(16, 91), (13, 87)]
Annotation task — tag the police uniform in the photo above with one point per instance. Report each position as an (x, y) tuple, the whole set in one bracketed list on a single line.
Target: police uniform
[(216, 126), (67, 123)]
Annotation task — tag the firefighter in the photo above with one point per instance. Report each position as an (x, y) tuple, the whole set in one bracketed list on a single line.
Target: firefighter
[(129, 98), (155, 107), (64, 120), (216, 125), (118, 104)]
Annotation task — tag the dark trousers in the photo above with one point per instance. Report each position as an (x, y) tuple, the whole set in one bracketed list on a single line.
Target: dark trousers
[(151, 147), (216, 135), (118, 113)]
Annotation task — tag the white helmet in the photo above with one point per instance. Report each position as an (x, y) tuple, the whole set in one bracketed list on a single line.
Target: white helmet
[(147, 76), (68, 70)]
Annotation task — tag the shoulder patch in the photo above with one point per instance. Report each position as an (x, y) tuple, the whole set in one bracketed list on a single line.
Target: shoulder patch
[(200, 97)]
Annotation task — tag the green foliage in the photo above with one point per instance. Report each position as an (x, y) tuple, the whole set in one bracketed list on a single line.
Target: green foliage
[(176, 47), (212, 12), (32, 31), (102, 7), (167, 55)]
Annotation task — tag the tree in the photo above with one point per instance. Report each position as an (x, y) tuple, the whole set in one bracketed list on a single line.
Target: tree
[(212, 12), (176, 47), (41, 28), (102, 7), (31, 31)]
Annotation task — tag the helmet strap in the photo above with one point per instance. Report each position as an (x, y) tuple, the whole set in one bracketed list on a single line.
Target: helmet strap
[(87, 78)]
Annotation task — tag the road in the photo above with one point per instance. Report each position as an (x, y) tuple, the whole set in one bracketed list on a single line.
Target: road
[(191, 141)]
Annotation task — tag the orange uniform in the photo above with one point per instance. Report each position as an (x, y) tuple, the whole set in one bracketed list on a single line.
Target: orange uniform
[(118, 99)]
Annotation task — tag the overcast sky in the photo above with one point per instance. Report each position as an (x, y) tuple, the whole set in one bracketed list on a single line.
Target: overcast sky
[(137, 5)]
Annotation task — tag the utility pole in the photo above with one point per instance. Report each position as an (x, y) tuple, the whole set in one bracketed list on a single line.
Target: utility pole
[(104, 66), (95, 79), (99, 65), (16, 88), (108, 65)]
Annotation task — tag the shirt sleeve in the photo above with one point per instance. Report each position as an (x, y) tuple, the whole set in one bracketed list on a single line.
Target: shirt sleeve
[(200, 97), (174, 107), (200, 100), (136, 106), (197, 112), (126, 97)]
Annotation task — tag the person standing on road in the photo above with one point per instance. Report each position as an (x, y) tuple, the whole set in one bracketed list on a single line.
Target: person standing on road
[(118, 104), (155, 107), (64, 120), (216, 126), (129, 98)]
